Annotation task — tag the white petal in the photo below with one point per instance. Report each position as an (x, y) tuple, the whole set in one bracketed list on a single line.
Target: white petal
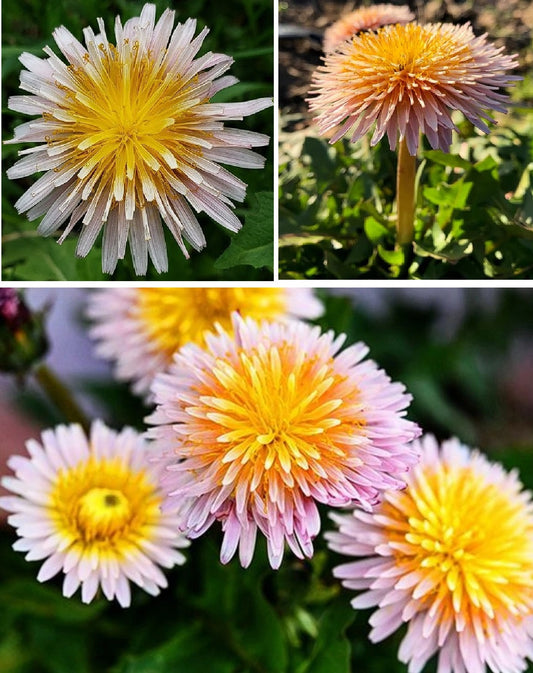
[(50, 567)]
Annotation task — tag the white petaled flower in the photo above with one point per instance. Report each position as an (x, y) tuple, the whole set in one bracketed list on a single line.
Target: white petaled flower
[(90, 508), (129, 138), (140, 329)]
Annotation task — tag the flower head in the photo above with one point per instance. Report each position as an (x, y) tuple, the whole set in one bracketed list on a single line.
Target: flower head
[(91, 508), (364, 18), (141, 328), (270, 421), (407, 79), (131, 138), (453, 556)]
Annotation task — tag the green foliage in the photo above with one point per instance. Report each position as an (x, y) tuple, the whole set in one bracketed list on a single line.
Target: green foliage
[(243, 29), (474, 215), (254, 246), (331, 652)]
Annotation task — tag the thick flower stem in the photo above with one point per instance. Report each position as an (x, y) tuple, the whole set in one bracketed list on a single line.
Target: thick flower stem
[(60, 396), (405, 194)]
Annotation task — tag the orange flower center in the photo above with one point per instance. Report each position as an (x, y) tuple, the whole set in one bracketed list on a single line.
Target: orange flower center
[(274, 418), (407, 57)]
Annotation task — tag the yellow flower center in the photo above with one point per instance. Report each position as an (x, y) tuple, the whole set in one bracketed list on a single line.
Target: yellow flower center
[(104, 505), (276, 416), (102, 512), (174, 317), (470, 541), (133, 123)]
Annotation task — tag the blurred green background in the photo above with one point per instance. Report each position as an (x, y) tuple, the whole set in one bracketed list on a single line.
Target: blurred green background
[(466, 355), (242, 29)]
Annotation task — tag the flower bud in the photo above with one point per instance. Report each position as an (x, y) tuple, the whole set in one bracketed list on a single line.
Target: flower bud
[(23, 339)]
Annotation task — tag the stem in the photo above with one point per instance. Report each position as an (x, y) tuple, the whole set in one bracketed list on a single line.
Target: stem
[(60, 396), (405, 194)]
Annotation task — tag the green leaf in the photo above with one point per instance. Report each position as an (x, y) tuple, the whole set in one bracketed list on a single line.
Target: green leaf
[(446, 159), (431, 400), (322, 164), (302, 239), (455, 195), (36, 258), (524, 215), (337, 268), (486, 164), (252, 53), (28, 597), (374, 230), (242, 90), (190, 651), (258, 629), (360, 252), (254, 245), (250, 628), (68, 654), (331, 653), (394, 257), (524, 186), (451, 252), (33, 257)]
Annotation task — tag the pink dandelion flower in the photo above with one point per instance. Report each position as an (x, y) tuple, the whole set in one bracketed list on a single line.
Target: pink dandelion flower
[(91, 508), (364, 18), (131, 138), (407, 79), (265, 424), (140, 329), (452, 555)]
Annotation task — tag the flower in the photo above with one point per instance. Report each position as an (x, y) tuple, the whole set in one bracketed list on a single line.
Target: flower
[(453, 556), (91, 508), (265, 424), (364, 18), (141, 329), (407, 79), (131, 138)]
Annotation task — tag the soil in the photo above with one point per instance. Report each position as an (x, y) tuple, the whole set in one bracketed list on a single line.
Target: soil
[(509, 23)]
